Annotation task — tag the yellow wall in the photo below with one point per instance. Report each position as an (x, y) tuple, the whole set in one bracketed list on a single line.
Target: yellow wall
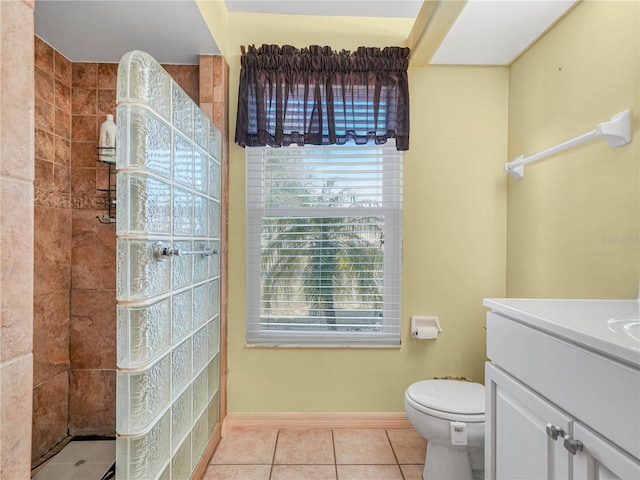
[(573, 220), (454, 234)]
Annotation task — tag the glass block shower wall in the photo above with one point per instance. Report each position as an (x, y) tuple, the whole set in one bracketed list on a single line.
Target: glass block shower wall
[(168, 199)]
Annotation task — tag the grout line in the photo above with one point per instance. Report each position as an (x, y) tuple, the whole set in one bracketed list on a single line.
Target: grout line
[(335, 457), (273, 458), (394, 453)]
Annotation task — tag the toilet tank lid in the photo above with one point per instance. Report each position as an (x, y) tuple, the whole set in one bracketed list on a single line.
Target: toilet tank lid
[(451, 396)]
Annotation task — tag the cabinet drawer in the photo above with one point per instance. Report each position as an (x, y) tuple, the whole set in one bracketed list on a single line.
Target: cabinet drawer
[(597, 391)]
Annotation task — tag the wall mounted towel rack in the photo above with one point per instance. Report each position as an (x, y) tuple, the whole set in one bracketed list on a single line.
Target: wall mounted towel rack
[(617, 133)]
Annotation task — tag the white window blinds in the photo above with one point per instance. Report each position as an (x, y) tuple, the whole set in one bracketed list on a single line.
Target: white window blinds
[(324, 228)]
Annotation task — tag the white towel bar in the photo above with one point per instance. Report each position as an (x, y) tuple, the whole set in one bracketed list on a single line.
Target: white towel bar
[(617, 133)]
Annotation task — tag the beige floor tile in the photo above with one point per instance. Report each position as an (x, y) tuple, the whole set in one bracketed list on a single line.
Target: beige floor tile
[(246, 446), (237, 472), (304, 447), (369, 472), (408, 445), (362, 447), (306, 472), (412, 472)]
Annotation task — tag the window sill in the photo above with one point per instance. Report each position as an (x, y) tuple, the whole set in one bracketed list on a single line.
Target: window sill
[(322, 346)]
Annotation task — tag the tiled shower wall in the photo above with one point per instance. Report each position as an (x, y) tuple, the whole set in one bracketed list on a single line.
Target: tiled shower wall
[(16, 237), (74, 285)]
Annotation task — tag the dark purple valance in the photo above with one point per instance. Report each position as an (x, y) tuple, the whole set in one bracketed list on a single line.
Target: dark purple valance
[(319, 96)]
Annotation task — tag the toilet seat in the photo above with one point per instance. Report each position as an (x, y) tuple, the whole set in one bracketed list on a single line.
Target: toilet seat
[(448, 399)]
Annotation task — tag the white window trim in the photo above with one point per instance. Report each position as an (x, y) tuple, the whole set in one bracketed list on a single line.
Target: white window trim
[(392, 212)]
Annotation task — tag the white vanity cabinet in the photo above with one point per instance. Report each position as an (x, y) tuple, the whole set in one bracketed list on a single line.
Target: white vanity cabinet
[(561, 405)]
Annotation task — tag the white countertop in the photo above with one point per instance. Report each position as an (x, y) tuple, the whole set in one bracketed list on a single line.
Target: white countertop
[(595, 324)]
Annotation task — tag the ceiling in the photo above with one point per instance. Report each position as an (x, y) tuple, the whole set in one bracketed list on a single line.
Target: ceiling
[(486, 32)]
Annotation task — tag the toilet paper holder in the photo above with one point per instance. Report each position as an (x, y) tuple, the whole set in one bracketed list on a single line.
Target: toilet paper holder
[(425, 327)]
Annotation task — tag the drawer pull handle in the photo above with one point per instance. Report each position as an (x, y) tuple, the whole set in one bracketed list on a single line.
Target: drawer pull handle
[(554, 432), (573, 446)]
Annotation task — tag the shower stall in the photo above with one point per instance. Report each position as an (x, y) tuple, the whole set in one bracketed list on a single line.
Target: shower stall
[(168, 163)]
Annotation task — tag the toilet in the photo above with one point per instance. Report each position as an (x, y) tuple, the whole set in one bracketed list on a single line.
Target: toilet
[(449, 414)]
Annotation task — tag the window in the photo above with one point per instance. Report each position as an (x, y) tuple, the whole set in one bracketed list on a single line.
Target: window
[(324, 227)]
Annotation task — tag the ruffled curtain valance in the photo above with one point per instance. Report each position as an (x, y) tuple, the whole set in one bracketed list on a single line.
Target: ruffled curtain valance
[(319, 96)]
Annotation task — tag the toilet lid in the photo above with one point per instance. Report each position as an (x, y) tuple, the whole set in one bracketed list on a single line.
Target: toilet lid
[(453, 396)]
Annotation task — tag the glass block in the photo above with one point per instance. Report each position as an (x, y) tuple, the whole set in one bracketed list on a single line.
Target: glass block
[(182, 265), (200, 218), (182, 212), (214, 180), (199, 437), (180, 367), (200, 393), (139, 275), (214, 337), (201, 305), (148, 142), (181, 420), (182, 111), (200, 170), (215, 142), (201, 262), (149, 202), (200, 349), (143, 457), (215, 297), (213, 370), (182, 161), (214, 219), (214, 260), (181, 461), (214, 413), (141, 395), (201, 129), (181, 305), (142, 79), (166, 473), (143, 333)]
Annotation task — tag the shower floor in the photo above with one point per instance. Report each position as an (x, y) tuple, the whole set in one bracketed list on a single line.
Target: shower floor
[(81, 460)]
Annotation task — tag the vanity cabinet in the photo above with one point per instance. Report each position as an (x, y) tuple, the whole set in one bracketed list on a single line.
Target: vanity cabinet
[(557, 409)]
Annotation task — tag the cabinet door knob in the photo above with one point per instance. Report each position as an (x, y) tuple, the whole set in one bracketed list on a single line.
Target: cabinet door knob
[(554, 432), (572, 445)]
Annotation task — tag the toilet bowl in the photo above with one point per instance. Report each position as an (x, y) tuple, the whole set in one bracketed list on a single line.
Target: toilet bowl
[(449, 414)]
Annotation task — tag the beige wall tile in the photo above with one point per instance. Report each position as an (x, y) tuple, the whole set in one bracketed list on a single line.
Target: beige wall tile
[(16, 94), (15, 418), (16, 262)]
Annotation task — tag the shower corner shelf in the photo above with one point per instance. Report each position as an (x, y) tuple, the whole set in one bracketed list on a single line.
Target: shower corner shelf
[(107, 155)]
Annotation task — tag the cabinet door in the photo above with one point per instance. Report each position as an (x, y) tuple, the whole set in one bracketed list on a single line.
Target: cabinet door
[(597, 459), (524, 433)]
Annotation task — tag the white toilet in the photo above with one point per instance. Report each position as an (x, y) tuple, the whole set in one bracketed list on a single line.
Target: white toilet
[(449, 414)]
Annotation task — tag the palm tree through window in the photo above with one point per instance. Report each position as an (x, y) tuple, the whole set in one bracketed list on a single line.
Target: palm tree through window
[(323, 247)]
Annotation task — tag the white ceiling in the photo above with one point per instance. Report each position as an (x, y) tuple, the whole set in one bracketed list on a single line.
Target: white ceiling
[(487, 32)]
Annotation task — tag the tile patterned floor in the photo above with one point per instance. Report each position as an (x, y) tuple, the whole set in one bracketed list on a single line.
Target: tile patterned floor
[(318, 454)]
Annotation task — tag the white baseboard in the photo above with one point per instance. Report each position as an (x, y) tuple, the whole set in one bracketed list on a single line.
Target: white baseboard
[(316, 420)]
